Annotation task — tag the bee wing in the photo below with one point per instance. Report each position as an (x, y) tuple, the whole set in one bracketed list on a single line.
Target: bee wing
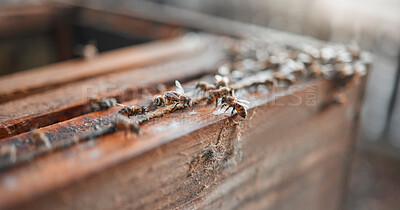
[(179, 87), (218, 78), (172, 94), (243, 101), (226, 79), (121, 105), (244, 105)]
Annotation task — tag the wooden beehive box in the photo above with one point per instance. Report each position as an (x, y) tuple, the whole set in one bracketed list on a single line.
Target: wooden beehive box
[(293, 150)]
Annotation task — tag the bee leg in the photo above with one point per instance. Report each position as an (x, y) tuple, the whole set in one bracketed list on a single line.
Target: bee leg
[(173, 108), (233, 109), (227, 108), (216, 103), (223, 105)]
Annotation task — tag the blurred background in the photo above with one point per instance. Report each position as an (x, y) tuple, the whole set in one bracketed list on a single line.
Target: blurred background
[(373, 24)]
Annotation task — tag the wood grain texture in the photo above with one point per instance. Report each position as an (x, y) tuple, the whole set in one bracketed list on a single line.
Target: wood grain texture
[(37, 80), (36, 17), (204, 160), (128, 25), (72, 100)]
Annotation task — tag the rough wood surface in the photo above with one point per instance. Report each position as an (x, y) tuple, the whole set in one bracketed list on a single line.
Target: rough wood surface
[(17, 19), (72, 100), (128, 25), (204, 160), (37, 80)]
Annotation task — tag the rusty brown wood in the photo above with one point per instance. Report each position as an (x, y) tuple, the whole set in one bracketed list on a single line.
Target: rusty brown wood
[(37, 80), (167, 14), (73, 99), (128, 24), (15, 19), (279, 141)]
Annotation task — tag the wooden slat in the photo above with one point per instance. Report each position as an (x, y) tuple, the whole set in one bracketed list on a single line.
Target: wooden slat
[(20, 18), (164, 13), (271, 138), (73, 100), (37, 80), (128, 25)]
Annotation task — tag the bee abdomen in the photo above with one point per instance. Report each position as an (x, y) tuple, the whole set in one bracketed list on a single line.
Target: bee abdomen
[(241, 111)]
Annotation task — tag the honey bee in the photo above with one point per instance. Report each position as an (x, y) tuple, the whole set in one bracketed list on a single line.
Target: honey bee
[(131, 110), (87, 51), (102, 104), (215, 95), (122, 122), (221, 81), (317, 70), (90, 51), (174, 97), (287, 79), (264, 78), (9, 151), (39, 139), (159, 101), (204, 86), (236, 104), (295, 67), (345, 70)]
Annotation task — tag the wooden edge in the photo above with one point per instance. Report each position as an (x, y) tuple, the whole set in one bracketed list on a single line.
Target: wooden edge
[(32, 17), (73, 100), (199, 21), (353, 146), (96, 155), (128, 25), (37, 80)]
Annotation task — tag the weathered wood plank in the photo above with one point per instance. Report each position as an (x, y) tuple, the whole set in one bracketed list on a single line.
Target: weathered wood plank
[(37, 80), (274, 133), (128, 24), (19, 18), (73, 99)]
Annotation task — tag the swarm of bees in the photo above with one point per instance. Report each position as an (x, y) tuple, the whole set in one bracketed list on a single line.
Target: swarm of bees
[(252, 65)]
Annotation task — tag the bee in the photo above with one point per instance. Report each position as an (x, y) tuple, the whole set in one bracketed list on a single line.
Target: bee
[(131, 110), (87, 51), (304, 58), (316, 70), (204, 86), (236, 104), (122, 122), (264, 78), (102, 104), (346, 74), (39, 139), (346, 70), (268, 82), (215, 95), (224, 69), (287, 79), (221, 81), (294, 67), (174, 97), (159, 101), (9, 151)]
